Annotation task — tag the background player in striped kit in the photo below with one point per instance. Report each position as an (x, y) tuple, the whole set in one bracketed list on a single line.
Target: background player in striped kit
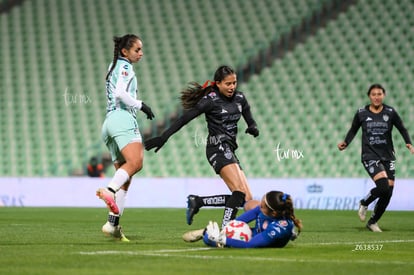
[(223, 107), (120, 130), (377, 121)]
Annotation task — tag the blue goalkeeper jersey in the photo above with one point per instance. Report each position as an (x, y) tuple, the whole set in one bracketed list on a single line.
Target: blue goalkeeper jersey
[(122, 77), (268, 232)]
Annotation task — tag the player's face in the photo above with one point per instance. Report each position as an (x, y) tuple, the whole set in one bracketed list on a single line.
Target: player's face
[(135, 53), (376, 96), (228, 85)]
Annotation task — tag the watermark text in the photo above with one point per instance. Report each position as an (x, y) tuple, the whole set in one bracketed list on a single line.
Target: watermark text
[(282, 153), (75, 98)]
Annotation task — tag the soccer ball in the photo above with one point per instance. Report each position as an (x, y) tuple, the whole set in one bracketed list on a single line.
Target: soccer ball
[(238, 230)]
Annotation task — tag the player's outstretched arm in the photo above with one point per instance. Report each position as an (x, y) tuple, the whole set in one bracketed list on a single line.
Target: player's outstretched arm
[(158, 142)]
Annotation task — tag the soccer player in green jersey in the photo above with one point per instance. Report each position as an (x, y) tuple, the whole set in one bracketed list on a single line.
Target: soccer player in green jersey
[(120, 130)]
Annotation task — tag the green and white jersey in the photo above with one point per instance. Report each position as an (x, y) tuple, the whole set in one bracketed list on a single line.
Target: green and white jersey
[(122, 88)]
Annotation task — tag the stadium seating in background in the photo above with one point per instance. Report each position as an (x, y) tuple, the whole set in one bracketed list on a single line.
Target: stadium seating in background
[(55, 54)]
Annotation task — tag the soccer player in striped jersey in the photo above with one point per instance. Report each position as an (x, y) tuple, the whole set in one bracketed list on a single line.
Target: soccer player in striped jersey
[(120, 130), (377, 155), (223, 107)]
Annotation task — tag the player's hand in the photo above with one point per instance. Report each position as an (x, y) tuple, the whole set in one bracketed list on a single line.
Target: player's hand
[(411, 148), (252, 130), (156, 142), (294, 235), (147, 110), (342, 145), (214, 234)]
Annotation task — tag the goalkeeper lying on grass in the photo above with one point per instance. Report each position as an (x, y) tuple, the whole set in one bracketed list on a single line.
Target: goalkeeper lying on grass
[(275, 223)]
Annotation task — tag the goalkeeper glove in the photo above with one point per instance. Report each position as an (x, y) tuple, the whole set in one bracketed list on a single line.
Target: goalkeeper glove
[(214, 234)]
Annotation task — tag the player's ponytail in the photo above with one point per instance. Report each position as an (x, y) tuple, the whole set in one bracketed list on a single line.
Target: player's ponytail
[(192, 94), (194, 91), (117, 41), (290, 213), (124, 42)]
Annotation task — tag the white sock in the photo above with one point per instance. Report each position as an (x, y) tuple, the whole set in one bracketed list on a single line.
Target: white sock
[(120, 198), (121, 176)]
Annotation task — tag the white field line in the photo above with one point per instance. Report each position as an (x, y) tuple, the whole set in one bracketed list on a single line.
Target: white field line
[(363, 242), (243, 258), (173, 253)]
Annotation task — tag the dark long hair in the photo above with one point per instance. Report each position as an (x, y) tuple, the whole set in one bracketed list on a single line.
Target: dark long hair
[(375, 86), (194, 91), (282, 204), (123, 42)]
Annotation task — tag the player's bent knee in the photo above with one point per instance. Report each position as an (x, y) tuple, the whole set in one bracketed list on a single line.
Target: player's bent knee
[(383, 188), (133, 166), (138, 166)]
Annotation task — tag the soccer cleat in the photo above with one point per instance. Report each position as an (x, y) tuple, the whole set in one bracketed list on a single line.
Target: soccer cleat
[(109, 198), (362, 212), (194, 235), (373, 227), (119, 234), (108, 229), (114, 231), (192, 208)]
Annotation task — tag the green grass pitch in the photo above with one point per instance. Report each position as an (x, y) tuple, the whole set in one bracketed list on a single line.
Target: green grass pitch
[(70, 241)]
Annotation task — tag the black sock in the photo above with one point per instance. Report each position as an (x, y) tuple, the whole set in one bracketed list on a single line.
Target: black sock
[(368, 199), (216, 200), (381, 206), (237, 199), (381, 189)]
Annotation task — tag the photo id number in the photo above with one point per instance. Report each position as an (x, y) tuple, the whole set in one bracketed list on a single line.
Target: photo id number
[(368, 247)]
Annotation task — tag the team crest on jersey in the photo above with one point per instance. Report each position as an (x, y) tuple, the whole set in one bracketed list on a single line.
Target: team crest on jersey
[(228, 154), (385, 117), (124, 73), (272, 233), (283, 223), (212, 94), (239, 107)]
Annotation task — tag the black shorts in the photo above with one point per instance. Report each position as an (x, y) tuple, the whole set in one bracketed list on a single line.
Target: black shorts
[(221, 155), (373, 167)]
